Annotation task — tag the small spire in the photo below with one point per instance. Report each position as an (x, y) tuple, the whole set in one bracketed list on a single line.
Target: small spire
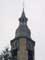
[(23, 18)]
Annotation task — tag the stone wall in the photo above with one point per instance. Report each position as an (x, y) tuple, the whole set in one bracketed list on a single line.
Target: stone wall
[(22, 52)]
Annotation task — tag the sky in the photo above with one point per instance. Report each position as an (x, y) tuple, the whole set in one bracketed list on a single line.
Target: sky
[(10, 11)]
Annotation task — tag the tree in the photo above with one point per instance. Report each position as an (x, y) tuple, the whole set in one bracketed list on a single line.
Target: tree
[(7, 54)]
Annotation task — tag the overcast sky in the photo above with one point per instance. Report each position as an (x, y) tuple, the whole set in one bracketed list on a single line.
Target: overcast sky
[(10, 11)]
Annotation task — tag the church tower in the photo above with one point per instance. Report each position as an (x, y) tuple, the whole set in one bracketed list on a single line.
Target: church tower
[(22, 46)]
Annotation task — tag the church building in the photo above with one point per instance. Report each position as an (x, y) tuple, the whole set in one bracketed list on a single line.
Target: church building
[(22, 46)]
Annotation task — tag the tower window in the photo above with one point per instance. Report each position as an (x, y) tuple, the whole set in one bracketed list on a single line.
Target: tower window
[(30, 55)]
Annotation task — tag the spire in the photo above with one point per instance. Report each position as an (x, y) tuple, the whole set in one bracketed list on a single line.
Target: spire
[(23, 30), (23, 18)]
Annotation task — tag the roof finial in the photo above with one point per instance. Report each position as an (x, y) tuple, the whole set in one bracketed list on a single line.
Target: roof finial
[(23, 5)]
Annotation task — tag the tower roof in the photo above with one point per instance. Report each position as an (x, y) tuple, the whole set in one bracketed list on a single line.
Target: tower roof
[(23, 30)]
